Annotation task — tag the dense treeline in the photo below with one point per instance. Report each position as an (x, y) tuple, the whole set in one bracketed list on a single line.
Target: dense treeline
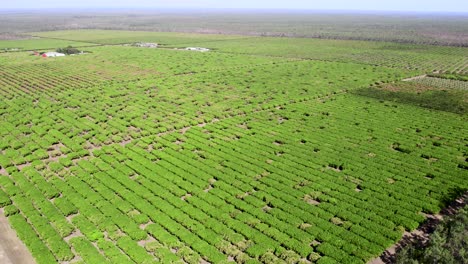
[(444, 29), (68, 50), (446, 245)]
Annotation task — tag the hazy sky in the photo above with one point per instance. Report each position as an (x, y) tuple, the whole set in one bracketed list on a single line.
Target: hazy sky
[(386, 5)]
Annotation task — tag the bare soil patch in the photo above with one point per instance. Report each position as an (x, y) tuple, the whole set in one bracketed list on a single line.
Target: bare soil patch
[(12, 250), (414, 78), (3, 172), (411, 87)]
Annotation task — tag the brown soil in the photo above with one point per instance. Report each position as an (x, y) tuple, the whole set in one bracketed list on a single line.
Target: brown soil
[(414, 78), (22, 166), (312, 201), (125, 142), (210, 187), (142, 243), (143, 226), (76, 233), (334, 169), (410, 87), (12, 250), (184, 130), (3, 172), (188, 195)]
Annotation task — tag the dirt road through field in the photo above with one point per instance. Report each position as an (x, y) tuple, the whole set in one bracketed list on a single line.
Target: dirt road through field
[(414, 78), (12, 250)]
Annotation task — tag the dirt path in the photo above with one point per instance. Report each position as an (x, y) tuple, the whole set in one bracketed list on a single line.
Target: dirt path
[(414, 78), (12, 250)]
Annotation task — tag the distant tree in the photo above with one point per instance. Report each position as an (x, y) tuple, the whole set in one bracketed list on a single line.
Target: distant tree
[(68, 50), (448, 244)]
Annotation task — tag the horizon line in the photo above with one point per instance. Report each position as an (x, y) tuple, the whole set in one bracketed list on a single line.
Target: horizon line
[(148, 9)]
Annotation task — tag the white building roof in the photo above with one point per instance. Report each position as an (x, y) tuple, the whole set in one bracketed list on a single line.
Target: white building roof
[(197, 49), (54, 54)]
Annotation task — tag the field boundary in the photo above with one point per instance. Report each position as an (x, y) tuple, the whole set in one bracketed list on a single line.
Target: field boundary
[(414, 78), (421, 235), (165, 45), (12, 249)]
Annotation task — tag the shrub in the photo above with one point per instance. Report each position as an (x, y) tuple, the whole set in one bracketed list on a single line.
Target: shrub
[(10, 210), (4, 199), (446, 245)]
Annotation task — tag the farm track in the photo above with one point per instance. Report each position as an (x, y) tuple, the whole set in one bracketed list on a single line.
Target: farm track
[(414, 78), (122, 43), (12, 250), (81, 41)]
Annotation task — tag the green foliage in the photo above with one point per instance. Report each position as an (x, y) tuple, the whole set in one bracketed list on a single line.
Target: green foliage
[(446, 245), (10, 210), (4, 199), (68, 50), (39, 44), (138, 254), (449, 76), (167, 156)]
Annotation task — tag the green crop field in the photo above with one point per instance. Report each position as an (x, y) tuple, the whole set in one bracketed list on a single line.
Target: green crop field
[(38, 44), (424, 58), (262, 150), (119, 37)]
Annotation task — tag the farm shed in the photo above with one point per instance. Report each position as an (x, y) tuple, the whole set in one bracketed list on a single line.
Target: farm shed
[(146, 45), (197, 49), (53, 54)]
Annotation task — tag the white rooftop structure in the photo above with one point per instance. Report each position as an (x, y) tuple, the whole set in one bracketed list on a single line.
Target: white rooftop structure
[(53, 54), (146, 45), (197, 49)]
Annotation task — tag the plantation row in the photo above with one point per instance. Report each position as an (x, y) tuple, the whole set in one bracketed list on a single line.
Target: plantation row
[(24, 73), (202, 194), (133, 155), (443, 83), (128, 111), (23, 80), (422, 58), (173, 62), (449, 76), (38, 44), (122, 37)]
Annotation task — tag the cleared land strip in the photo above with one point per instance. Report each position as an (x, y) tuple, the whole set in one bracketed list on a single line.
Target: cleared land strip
[(166, 45), (414, 78), (12, 250), (89, 42)]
